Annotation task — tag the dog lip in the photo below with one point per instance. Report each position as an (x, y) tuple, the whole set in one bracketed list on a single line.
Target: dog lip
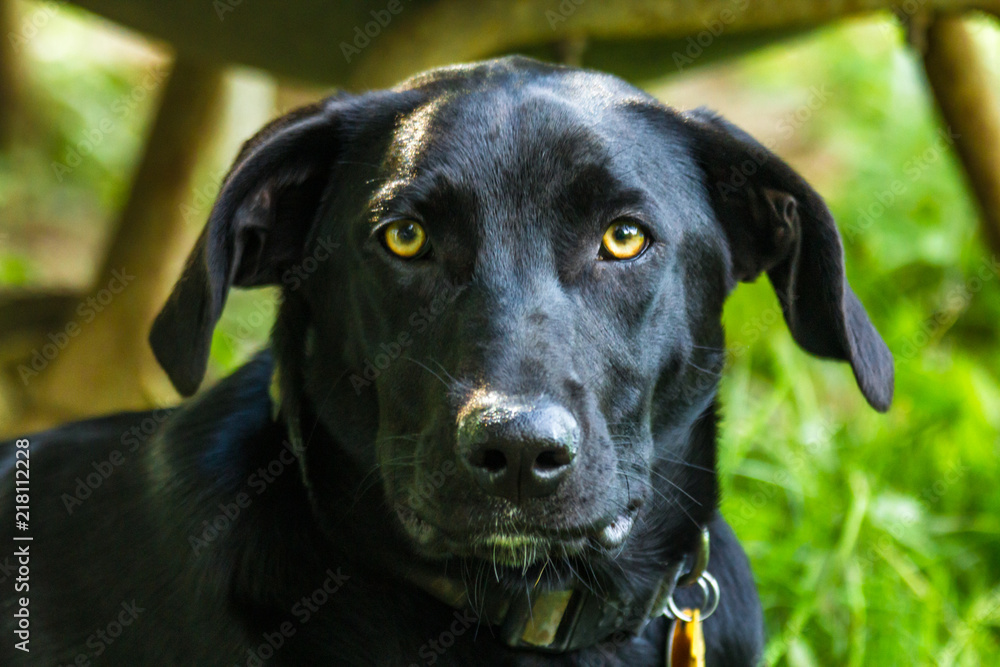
[(613, 535), (419, 529), (565, 542), (523, 550)]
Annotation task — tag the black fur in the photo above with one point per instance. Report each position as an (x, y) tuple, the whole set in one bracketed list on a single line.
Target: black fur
[(515, 169)]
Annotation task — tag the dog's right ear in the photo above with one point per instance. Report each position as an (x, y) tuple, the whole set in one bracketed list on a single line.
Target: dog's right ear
[(256, 230), (777, 223)]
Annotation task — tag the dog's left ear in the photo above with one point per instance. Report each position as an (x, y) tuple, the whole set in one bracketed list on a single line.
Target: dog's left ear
[(776, 222), (256, 230)]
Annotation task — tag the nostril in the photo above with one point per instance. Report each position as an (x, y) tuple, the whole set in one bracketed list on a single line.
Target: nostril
[(552, 459), (492, 460)]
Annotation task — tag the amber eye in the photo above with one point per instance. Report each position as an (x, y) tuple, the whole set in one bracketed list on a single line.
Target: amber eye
[(405, 238), (623, 240)]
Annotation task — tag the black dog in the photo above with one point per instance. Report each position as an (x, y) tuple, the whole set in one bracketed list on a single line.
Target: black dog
[(485, 431)]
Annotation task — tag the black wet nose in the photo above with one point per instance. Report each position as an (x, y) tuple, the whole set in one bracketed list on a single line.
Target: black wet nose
[(518, 451)]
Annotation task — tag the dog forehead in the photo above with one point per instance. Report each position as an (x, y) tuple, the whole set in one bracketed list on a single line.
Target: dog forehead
[(514, 73), (512, 106), (518, 127)]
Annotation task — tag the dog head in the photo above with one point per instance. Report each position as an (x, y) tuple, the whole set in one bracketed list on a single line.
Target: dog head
[(503, 286)]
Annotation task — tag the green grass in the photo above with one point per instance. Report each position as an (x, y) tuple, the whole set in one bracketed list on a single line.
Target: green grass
[(875, 539)]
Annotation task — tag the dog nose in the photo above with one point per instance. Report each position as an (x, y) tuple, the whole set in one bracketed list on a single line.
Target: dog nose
[(518, 451)]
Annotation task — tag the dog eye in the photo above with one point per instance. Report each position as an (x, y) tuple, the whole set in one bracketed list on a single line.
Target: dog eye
[(623, 240), (405, 238)]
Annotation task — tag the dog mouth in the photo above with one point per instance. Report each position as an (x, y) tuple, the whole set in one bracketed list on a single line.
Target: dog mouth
[(519, 548)]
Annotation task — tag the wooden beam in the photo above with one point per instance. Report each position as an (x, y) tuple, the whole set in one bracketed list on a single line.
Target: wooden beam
[(313, 39), (10, 75), (966, 96)]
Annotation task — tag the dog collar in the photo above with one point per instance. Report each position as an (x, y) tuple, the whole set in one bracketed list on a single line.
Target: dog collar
[(567, 620)]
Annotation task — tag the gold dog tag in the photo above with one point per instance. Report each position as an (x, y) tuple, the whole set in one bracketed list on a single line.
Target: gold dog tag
[(546, 617), (685, 642)]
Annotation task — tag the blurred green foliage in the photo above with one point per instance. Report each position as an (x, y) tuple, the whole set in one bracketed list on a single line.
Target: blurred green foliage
[(88, 102), (874, 539)]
